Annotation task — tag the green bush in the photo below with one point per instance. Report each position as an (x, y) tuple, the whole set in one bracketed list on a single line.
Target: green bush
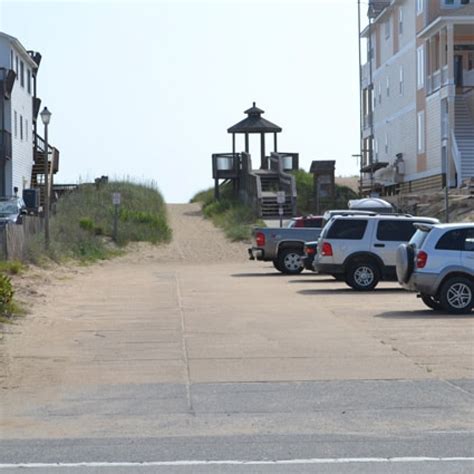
[(305, 195), (235, 218), (6, 295)]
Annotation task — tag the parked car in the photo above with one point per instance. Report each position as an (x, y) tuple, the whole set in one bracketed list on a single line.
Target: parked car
[(307, 221), (362, 249), (438, 263), (12, 210), (282, 246)]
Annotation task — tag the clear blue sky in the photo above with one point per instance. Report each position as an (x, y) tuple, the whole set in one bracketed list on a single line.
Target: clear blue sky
[(148, 89)]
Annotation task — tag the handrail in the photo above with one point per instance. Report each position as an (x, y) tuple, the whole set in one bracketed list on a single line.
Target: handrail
[(456, 155), (250, 184), (287, 181)]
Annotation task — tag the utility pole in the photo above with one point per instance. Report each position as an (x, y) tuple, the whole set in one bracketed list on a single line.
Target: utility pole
[(46, 117)]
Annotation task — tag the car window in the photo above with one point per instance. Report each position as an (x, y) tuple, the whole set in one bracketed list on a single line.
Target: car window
[(313, 222), (418, 238), (451, 240), (395, 231), (469, 241), (347, 229)]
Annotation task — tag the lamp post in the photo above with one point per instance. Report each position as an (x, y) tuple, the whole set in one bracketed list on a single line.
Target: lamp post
[(45, 118)]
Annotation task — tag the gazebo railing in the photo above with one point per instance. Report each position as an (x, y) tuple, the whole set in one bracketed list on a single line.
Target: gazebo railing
[(225, 165)]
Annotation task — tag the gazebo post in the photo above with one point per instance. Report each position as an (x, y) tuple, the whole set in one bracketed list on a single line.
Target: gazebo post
[(246, 143), (233, 144), (263, 159), (275, 147)]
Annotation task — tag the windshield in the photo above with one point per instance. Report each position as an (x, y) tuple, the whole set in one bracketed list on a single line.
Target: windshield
[(7, 208)]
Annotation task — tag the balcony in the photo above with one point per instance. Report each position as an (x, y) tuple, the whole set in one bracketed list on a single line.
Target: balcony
[(5, 145)]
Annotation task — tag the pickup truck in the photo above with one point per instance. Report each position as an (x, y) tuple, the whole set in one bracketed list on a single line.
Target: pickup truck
[(282, 246)]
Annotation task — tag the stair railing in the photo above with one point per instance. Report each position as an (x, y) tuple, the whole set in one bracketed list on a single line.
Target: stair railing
[(250, 185), (287, 181), (456, 156)]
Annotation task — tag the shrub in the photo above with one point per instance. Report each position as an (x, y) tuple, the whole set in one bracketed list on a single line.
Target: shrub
[(235, 218), (82, 226), (6, 295)]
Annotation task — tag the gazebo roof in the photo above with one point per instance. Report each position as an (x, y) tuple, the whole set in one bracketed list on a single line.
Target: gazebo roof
[(254, 123)]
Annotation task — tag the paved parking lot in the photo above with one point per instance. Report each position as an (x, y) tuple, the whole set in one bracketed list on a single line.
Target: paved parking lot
[(161, 357)]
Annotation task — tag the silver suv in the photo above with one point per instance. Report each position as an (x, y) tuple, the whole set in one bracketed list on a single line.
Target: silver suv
[(362, 249), (438, 263)]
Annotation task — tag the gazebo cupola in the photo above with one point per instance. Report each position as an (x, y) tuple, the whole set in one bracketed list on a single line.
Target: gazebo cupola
[(255, 123)]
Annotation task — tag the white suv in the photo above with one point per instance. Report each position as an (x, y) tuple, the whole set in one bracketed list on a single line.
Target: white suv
[(362, 249), (438, 263)]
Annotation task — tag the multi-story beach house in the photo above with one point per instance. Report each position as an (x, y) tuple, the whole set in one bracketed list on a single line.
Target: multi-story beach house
[(417, 96), (21, 147)]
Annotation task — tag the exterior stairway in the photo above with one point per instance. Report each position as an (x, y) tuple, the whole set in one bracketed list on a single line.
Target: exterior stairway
[(270, 185), (464, 133)]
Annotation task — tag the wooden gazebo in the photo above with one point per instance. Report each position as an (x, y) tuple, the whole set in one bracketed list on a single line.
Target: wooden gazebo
[(255, 123)]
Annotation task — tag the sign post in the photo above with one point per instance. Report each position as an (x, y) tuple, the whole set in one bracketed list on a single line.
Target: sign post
[(116, 199), (281, 198)]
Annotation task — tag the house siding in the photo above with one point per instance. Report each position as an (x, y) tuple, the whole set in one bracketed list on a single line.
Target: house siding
[(19, 168)]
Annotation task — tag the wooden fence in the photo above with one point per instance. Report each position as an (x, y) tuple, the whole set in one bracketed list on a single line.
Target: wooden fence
[(15, 237)]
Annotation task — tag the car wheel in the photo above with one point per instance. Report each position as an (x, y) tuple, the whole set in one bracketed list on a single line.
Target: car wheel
[(289, 260), (363, 276), (431, 302), (277, 265), (457, 295)]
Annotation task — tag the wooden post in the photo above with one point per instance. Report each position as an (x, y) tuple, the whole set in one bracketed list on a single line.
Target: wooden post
[(275, 140), (263, 159), (246, 143), (233, 143), (216, 189)]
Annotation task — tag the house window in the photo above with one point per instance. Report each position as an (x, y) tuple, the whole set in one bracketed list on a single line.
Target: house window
[(400, 20), (28, 81), (419, 6), (26, 130), (15, 124), (21, 127), (12, 60), (22, 74), (421, 132), (388, 87), (420, 69), (401, 80), (16, 66), (380, 93), (387, 29)]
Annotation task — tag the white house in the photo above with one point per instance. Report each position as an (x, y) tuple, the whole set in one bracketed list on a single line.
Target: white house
[(417, 94), (16, 121)]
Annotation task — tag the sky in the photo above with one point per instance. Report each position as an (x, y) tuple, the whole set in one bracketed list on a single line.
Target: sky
[(146, 90)]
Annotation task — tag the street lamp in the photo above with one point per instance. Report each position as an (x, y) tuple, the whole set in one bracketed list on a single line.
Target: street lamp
[(45, 118)]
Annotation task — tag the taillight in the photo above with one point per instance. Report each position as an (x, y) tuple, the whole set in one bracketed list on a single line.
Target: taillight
[(421, 259), (309, 250), (326, 250), (260, 239)]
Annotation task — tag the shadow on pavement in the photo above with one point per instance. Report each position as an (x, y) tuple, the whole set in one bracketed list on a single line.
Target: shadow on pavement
[(350, 290), (315, 280), (251, 275), (422, 314)]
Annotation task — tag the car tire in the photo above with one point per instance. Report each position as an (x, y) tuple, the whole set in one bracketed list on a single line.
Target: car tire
[(277, 265), (431, 302), (289, 261), (457, 295), (405, 262), (363, 276)]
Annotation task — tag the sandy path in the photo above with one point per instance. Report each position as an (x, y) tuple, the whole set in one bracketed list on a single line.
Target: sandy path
[(124, 347)]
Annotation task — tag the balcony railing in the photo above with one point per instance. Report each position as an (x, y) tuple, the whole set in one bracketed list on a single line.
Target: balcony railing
[(5, 145)]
